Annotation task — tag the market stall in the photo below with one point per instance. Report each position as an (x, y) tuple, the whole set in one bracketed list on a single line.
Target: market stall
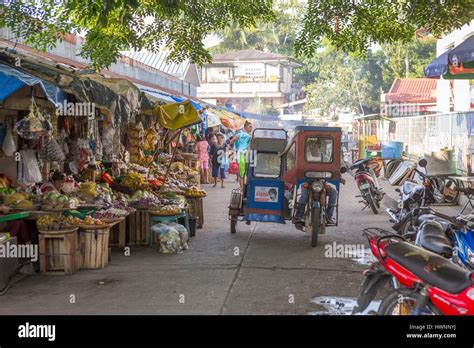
[(123, 180)]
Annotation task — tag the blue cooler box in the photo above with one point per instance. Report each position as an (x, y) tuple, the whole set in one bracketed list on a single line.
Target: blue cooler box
[(392, 149)]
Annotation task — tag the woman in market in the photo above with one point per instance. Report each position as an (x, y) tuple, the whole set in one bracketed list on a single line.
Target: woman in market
[(218, 154), (16, 228), (241, 142), (55, 184), (202, 149)]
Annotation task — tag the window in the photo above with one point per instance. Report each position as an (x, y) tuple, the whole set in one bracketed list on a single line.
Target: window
[(252, 73), (267, 165), (291, 157), (319, 149)]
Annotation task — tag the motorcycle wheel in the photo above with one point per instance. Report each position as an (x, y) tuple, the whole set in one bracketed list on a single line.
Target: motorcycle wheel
[(315, 228), (370, 200), (233, 225), (402, 301), (406, 230)]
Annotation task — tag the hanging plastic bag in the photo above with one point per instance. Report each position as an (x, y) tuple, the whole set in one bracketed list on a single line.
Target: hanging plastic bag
[(31, 171), (9, 146), (54, 152)]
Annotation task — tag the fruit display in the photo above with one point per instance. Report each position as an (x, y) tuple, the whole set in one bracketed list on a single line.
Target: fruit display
[(151, 139), (88, 189), (56, 223), (136, 142), (56, 201), (134, 181), (91, 221), (18, 201), (195, 192), (111, 213), (120, 203), (167, 210)]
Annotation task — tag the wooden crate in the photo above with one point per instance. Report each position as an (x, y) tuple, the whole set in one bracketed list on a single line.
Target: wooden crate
[(196, 210), (94, 248), (118, 234), (58, 252), (138, 227)]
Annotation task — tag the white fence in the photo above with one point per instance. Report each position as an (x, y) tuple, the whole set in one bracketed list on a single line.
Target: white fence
[(429, 133)]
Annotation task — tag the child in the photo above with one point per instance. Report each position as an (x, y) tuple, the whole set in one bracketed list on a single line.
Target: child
[(218, 155), (202, 149)]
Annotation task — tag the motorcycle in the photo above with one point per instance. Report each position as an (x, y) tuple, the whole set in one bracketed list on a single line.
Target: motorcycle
[(413, 196), (367, 183), (451, 237), (424, 283)]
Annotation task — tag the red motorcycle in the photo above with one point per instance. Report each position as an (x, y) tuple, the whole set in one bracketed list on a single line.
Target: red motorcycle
[(369, 188), (423, 282)]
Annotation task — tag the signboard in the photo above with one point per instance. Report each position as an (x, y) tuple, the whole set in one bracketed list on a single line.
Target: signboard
[(266, 194)]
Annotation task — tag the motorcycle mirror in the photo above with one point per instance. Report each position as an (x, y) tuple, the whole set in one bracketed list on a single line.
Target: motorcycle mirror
[(343, 170), (422, 163)]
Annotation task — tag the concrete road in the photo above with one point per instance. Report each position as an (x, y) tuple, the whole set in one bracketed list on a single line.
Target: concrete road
[(262, 269)]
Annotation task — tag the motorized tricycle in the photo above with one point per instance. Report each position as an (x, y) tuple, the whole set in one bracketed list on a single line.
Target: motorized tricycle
[(291, 179)]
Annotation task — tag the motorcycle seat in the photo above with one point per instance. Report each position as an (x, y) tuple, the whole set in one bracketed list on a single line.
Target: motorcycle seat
[(430, 217), (433, 237), (408, 187), (430, 267)]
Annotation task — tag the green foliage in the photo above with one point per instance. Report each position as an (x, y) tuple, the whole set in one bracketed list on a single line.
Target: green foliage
[(112, 26), (277, 35), (347, 81), (354, 25)]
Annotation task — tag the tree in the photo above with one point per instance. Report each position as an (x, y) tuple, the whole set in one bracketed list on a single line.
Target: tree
[(113, 26), (277, 36), (354, 25), (393, 59)]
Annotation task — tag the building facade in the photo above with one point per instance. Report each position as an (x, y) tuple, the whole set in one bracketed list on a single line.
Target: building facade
[(248, 80)]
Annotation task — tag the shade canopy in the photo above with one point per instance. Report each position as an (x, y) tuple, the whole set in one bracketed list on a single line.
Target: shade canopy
[(12, 80), (455, 64), (177, 115)]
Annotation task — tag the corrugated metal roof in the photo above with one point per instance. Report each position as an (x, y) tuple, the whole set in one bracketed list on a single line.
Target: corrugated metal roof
[(412, 90), (252, 55), (159, 61)]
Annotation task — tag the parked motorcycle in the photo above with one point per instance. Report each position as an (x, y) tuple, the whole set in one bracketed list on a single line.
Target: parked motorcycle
[(413, 196), (424, 283), (451, 237), (367, 183)]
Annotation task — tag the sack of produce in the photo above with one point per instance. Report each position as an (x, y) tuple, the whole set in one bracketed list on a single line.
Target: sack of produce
[(170, 239), (183, 233)]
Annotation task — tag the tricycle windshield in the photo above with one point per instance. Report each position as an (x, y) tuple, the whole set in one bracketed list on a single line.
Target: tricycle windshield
[(319, 149), (267, 165)]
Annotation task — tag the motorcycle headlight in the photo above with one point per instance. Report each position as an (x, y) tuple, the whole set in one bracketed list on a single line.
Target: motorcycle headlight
[(470, 256), (317, 186)]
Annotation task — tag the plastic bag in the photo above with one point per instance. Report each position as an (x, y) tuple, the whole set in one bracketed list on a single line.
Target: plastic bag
[(9, 146), (183, 233), (108, 139), (233, 168), (31, 172), (169, 238), (54, 152)]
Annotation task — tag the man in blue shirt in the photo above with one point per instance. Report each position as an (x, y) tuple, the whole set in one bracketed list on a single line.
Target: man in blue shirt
[(241, 141)]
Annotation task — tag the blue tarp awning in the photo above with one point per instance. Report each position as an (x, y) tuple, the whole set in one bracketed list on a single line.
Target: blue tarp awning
[(197, 106), (12, 80), (156, 94)]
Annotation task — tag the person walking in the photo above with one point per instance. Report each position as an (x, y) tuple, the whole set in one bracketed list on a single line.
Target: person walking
[(242, 142), (218, 156), (202, 149)]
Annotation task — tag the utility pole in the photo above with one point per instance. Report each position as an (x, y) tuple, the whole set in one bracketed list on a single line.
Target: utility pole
[(407, 64)]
